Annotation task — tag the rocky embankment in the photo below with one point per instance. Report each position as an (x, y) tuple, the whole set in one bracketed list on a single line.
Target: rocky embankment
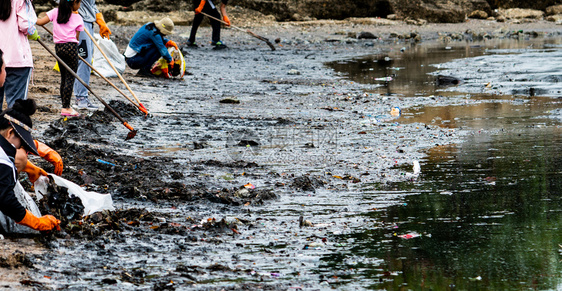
[(133, 12)]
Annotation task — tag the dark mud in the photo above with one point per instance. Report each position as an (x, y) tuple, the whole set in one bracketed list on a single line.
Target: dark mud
[(235, 195)]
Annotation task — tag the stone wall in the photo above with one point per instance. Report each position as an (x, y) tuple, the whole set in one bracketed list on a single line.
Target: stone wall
[(286, 10)]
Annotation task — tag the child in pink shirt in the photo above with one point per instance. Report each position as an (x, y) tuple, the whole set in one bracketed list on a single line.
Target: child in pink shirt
[(67, 24)]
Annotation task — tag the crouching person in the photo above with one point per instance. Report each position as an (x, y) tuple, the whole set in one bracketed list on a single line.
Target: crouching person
[(15, 133), (149, 44)]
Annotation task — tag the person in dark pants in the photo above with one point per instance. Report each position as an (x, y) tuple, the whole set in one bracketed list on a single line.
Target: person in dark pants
[(208, 7), (67, 25), (149, 44)]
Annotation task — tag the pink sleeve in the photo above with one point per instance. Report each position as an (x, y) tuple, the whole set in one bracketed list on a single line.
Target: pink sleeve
[(80, 26), (26, 17), (52, 14)]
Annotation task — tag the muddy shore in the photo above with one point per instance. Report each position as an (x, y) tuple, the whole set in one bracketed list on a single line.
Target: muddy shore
[(302, 134)]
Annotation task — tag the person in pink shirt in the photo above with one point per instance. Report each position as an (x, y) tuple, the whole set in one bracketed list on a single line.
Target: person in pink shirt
[(67, 24), (17, 24)]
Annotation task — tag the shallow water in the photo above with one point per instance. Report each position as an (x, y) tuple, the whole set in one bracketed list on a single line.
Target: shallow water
[(494, 67), (351, 243), (485, 214)]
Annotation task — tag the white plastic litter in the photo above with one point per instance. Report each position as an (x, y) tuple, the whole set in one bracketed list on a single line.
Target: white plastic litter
[(92, 201), (112, 53), (417, 168), (10, 226), (25, 200)]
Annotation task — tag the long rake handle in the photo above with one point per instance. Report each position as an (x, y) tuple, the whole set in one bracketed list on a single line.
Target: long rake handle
[(143, 109), (110, 83), (85, 85), (99, 74), (220, 20), (244, 30)]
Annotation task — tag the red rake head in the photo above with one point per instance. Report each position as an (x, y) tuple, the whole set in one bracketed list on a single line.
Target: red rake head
[(131, 134)]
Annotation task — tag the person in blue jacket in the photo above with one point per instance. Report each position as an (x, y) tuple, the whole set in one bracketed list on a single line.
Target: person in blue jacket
[(149, 44)]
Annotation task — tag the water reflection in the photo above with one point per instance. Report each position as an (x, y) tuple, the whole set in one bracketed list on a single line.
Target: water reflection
[(411, 67), (489, 213), (489, 115)]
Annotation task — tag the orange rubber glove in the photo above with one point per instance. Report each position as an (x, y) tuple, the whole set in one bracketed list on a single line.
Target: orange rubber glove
[(43, 223), (104, 30), (171, 43), (225, 19), (200, 8), (51, 156), (171, 64), (33, 172)]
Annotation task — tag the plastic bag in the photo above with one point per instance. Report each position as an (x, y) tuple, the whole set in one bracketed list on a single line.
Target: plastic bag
[(8, 225), (160, 67), (112, 53), (92, 201)]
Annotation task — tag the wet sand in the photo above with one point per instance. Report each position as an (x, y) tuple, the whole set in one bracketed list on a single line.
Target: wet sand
[(318, 150)]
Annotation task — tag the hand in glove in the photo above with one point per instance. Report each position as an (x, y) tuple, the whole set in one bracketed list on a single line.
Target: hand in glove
[(104, 30), (171, 64), (200, 8), (43, 223), (171, 43), (34, 36), (225, 19), (34, 172), (51, 156)]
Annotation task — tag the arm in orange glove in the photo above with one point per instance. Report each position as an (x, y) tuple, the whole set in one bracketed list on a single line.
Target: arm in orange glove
[(200, 7), (51, 156), (43, 223), (172, 43), (224, 16), (226, 20), (33, 172), (104, 30)]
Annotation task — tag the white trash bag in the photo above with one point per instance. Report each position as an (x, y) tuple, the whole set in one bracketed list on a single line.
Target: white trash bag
[(112, 53), (92, 201), (8, 225)]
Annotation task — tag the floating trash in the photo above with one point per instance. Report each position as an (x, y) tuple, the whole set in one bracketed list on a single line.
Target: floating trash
[(395, 111)]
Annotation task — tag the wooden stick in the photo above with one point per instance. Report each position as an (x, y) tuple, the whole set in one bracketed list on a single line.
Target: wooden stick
[(246, 31), (141, 107), (99, 74), (132, 132)]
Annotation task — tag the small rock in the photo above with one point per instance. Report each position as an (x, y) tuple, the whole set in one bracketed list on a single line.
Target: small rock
[(554, 10), (478, 14), (309, 145), (176, 175), (518, 13), (230, 101), (293, 72), (96, 217), (200, 145), (366, 35), (243, 193), (555, 18), (109, 281), (303, 222)]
